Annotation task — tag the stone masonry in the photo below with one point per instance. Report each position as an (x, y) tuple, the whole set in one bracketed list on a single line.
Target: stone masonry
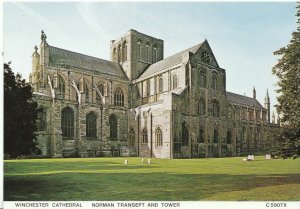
[(142, 104)]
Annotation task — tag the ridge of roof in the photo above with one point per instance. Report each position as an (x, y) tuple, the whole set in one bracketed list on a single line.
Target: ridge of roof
[(78, 53), (168, 61), (242, 100), (61, 57)]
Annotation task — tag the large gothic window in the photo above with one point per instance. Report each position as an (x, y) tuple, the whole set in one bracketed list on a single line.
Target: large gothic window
[(174, 82), (202, 107), (113, 127), (244, 134), (229, 137), (214, 82), (201, 136), (131, 138), (158, 134), (119, 97), (41, 121), (91, 125), (185, 135), (67, 122), (160, 85), (216, 136), (144, 136), (202, 79), (257, 138), (215, 109)]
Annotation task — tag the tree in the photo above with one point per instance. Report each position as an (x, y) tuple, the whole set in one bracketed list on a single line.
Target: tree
[(20, 115), (287, 139)]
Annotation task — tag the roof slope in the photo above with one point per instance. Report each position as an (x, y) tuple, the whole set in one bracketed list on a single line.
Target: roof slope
[(242, 100), (61, 58), (169, 61)]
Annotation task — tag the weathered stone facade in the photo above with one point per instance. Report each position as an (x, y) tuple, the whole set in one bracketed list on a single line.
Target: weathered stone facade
[(140, 104)]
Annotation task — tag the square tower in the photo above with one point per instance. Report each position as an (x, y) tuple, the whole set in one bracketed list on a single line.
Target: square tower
[(136, 51)]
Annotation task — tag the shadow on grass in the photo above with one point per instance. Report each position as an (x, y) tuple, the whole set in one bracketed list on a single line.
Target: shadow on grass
[(47, 168), (133, 186)]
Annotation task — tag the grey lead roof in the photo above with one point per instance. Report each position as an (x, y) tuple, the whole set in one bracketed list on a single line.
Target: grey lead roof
[(169, 61), (62, 58), (242, 100)]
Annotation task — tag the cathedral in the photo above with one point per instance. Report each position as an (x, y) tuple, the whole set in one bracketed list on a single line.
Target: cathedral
[(142, 104)]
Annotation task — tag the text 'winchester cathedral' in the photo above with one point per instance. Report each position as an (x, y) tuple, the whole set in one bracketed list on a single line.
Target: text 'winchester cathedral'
[(142, 104)]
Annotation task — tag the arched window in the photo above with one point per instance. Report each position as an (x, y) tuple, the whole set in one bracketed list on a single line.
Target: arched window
[(154, 54), (202, 107), (229, 137), (214, 82), (86, 91), (42, 120), (131, 138), (59, 84), (185, 135), (244, 133), (119, 54), (144, 136), (215, 108), (115, 54), (113, 127), (160, 85), (202, 79), (216, 136), (251, 114), (174, 82), (147, 88), (124, 51), (205, 57), (101, 89), (67, 122), (119, 97), (257, 138), (158, 134), (201, 136), (91, 125), (147, 52), (139, 50)]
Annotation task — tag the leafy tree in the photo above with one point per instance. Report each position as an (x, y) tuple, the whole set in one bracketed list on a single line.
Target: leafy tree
[(20, 115), (287, 139)]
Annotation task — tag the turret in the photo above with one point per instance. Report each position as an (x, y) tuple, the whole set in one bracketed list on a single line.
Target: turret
[(35, 76), (35, 59), (254, 93), (273, 118), (44, 49), (267, 106)]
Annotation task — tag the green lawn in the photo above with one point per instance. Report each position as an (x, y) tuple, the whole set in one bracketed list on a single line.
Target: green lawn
[(186, 179)]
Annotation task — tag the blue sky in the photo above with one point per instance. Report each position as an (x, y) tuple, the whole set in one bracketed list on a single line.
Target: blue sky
[(243, 36)]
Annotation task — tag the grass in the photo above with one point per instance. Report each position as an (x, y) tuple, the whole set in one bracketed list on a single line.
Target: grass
[(185, 179)]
